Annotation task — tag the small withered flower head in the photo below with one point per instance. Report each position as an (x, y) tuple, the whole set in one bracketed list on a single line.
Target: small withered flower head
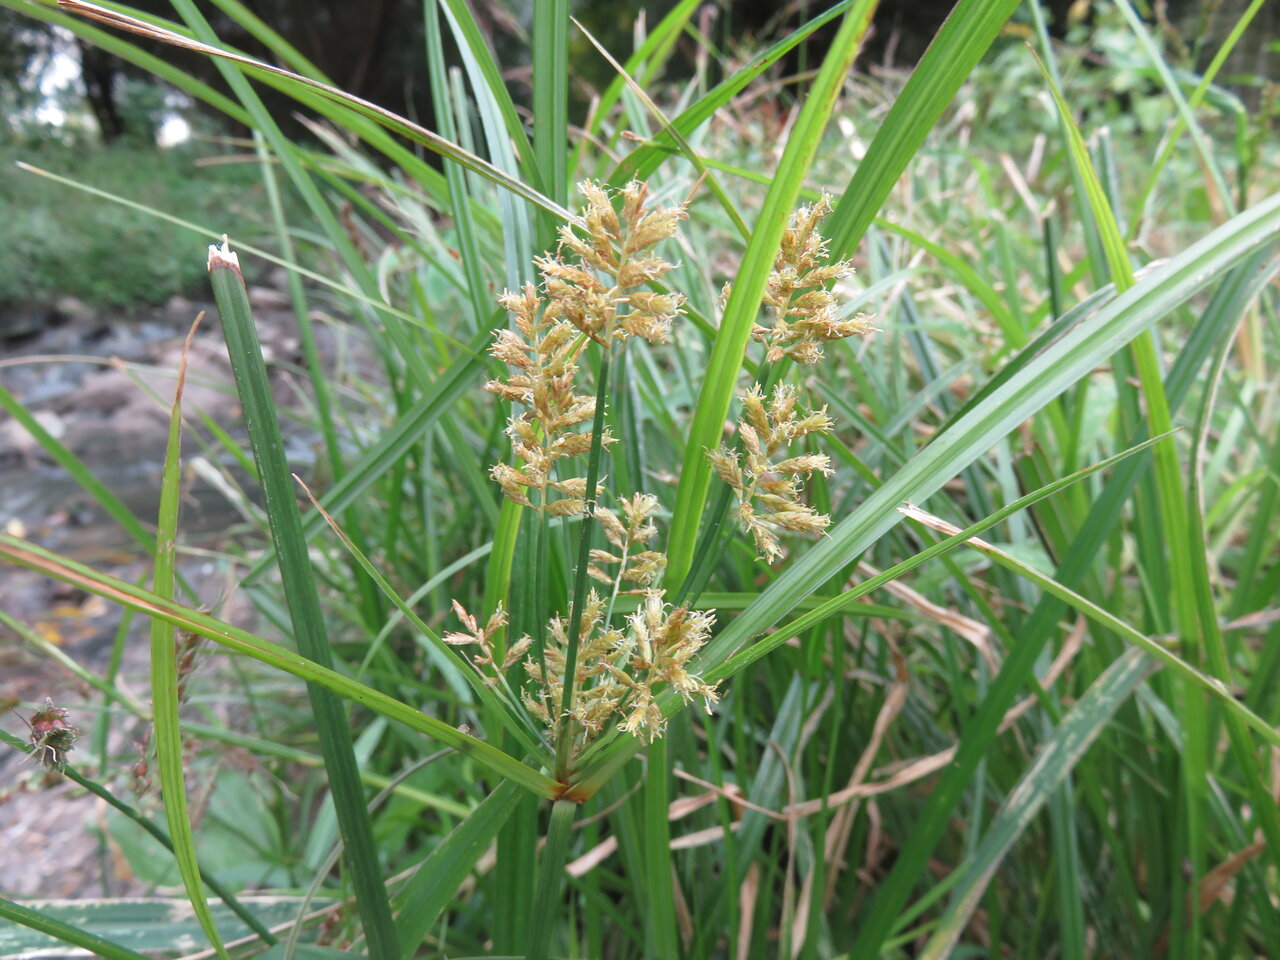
[(805, 313), (482, 637), (52, 735), (768, 486)]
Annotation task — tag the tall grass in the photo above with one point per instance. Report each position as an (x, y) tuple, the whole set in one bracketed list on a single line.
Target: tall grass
[(1059, 739)]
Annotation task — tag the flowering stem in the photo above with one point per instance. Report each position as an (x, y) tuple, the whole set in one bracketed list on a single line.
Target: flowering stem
[(565, 742), (550, 882), (713, 534), (538, 598)]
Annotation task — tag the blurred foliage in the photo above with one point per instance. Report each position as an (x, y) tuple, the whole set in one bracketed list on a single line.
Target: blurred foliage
[(57, 242)]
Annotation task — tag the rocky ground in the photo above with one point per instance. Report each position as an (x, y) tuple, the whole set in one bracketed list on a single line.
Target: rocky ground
[(101, 385)]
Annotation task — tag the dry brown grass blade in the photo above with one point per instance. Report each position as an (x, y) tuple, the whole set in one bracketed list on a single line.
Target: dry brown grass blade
[(857, 788), (684, 919), (747, 895), (966, 628), (916, 769), (841, 826), (1216, 884)]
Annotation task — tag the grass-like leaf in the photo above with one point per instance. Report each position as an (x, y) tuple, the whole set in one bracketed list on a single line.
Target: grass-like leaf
[(274, 655), (1057, 758), (36, 920), (961, 42), (165, 682)]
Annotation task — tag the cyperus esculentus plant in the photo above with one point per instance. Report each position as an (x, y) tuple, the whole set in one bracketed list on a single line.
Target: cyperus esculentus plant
[(588, 676)]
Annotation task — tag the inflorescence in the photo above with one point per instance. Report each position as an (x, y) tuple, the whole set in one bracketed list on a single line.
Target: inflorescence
[(598, 288)]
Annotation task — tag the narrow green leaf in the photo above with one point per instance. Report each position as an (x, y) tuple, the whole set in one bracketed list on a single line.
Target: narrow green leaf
[(660, 913), (281, 658), (843, 601), (1153, 648), (165, 681), (1215, 650), (464, 219), (1059, 365), (648, 57), (486, 76), (642, 162), (551, 101), (547, 907), (436, 880), (386, 118), (302, 597), (1052, 371), (65, 932), (79, 471), (959, 45)]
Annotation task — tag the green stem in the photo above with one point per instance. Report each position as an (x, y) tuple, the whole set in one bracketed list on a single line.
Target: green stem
[(546, 901), (565, 743)]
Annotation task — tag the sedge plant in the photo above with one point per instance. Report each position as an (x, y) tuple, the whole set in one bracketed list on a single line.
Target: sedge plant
[(675, 497)]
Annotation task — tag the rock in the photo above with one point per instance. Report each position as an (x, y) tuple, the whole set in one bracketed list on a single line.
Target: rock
[(73, 310), (23, 320), (265, 298), (101, 393), (180, 308), (16, 441)]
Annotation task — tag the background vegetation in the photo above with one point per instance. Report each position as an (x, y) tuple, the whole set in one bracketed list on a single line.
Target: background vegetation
[(1060, 742)]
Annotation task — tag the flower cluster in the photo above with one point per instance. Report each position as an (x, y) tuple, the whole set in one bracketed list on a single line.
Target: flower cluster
[(635, 528), (603, 286), (617, 673), (593, 287), (767, 488), (541, 351), (804, 310), (804, 317), (600, 292), (657, 648)]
